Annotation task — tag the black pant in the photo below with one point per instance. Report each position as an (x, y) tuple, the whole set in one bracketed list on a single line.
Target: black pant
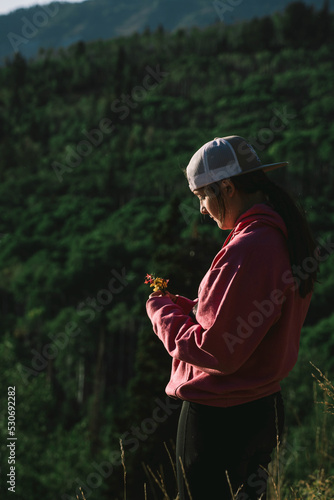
[(238, 439)]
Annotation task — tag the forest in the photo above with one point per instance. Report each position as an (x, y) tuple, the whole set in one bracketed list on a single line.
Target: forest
[(94, 140)]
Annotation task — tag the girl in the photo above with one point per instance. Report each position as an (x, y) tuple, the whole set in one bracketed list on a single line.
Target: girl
[(233, 345)]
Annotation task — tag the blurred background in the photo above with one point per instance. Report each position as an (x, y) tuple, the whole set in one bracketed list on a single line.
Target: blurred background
[(102, 104)]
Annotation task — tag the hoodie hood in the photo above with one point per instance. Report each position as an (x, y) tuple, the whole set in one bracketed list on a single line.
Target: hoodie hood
[(261, 214)]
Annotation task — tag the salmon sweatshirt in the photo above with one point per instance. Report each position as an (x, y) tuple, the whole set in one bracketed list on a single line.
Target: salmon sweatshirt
[(240, 337)]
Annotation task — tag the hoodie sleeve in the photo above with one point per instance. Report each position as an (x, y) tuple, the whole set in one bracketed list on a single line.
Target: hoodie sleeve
[(185, 303), (240, 299)]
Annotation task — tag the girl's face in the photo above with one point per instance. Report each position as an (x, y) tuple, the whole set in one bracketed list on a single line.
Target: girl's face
[(209, 204), (224, 203)]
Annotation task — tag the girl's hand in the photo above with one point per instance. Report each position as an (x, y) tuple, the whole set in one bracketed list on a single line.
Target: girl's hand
[(160, 293), (172, 296)]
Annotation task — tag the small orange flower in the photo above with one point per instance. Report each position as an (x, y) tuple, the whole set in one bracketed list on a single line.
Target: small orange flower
[(158, 284)]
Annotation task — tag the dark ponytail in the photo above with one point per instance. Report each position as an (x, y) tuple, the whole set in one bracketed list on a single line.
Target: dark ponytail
[(301, 244)]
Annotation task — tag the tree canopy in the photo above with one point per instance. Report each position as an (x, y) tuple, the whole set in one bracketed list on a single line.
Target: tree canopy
[(94, 141)]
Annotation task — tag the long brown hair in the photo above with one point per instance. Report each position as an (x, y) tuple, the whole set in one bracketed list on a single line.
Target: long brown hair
[(301, 244)]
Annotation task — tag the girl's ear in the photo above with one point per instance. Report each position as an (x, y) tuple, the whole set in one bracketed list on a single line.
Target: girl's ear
[(228, 187)]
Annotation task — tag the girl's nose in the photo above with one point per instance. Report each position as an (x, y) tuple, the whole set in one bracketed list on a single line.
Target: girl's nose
[(203, 210)]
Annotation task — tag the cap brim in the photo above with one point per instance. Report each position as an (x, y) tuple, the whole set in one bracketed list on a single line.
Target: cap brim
[(273, 166), (265, 168)]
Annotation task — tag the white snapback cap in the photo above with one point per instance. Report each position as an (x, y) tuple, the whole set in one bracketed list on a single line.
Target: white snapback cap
[(223, 158)]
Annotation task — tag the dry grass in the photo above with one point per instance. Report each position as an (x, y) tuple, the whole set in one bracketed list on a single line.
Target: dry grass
[(328, 390), (82, 495), (123, 465), (317, 486), (159, 479)]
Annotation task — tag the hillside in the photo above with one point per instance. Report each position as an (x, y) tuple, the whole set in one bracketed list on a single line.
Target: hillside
[(93, 142), (61, 24)]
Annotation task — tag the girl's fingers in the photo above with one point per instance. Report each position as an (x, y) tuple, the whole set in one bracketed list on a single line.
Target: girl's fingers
[(159, 293), (156, 294)]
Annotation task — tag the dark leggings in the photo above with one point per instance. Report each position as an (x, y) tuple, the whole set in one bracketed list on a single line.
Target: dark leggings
[(238, 439)]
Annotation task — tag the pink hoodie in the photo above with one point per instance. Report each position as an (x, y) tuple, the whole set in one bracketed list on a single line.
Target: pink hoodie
[(249, 315)]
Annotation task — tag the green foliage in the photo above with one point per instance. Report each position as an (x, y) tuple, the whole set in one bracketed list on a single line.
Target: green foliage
[(93, 196)]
